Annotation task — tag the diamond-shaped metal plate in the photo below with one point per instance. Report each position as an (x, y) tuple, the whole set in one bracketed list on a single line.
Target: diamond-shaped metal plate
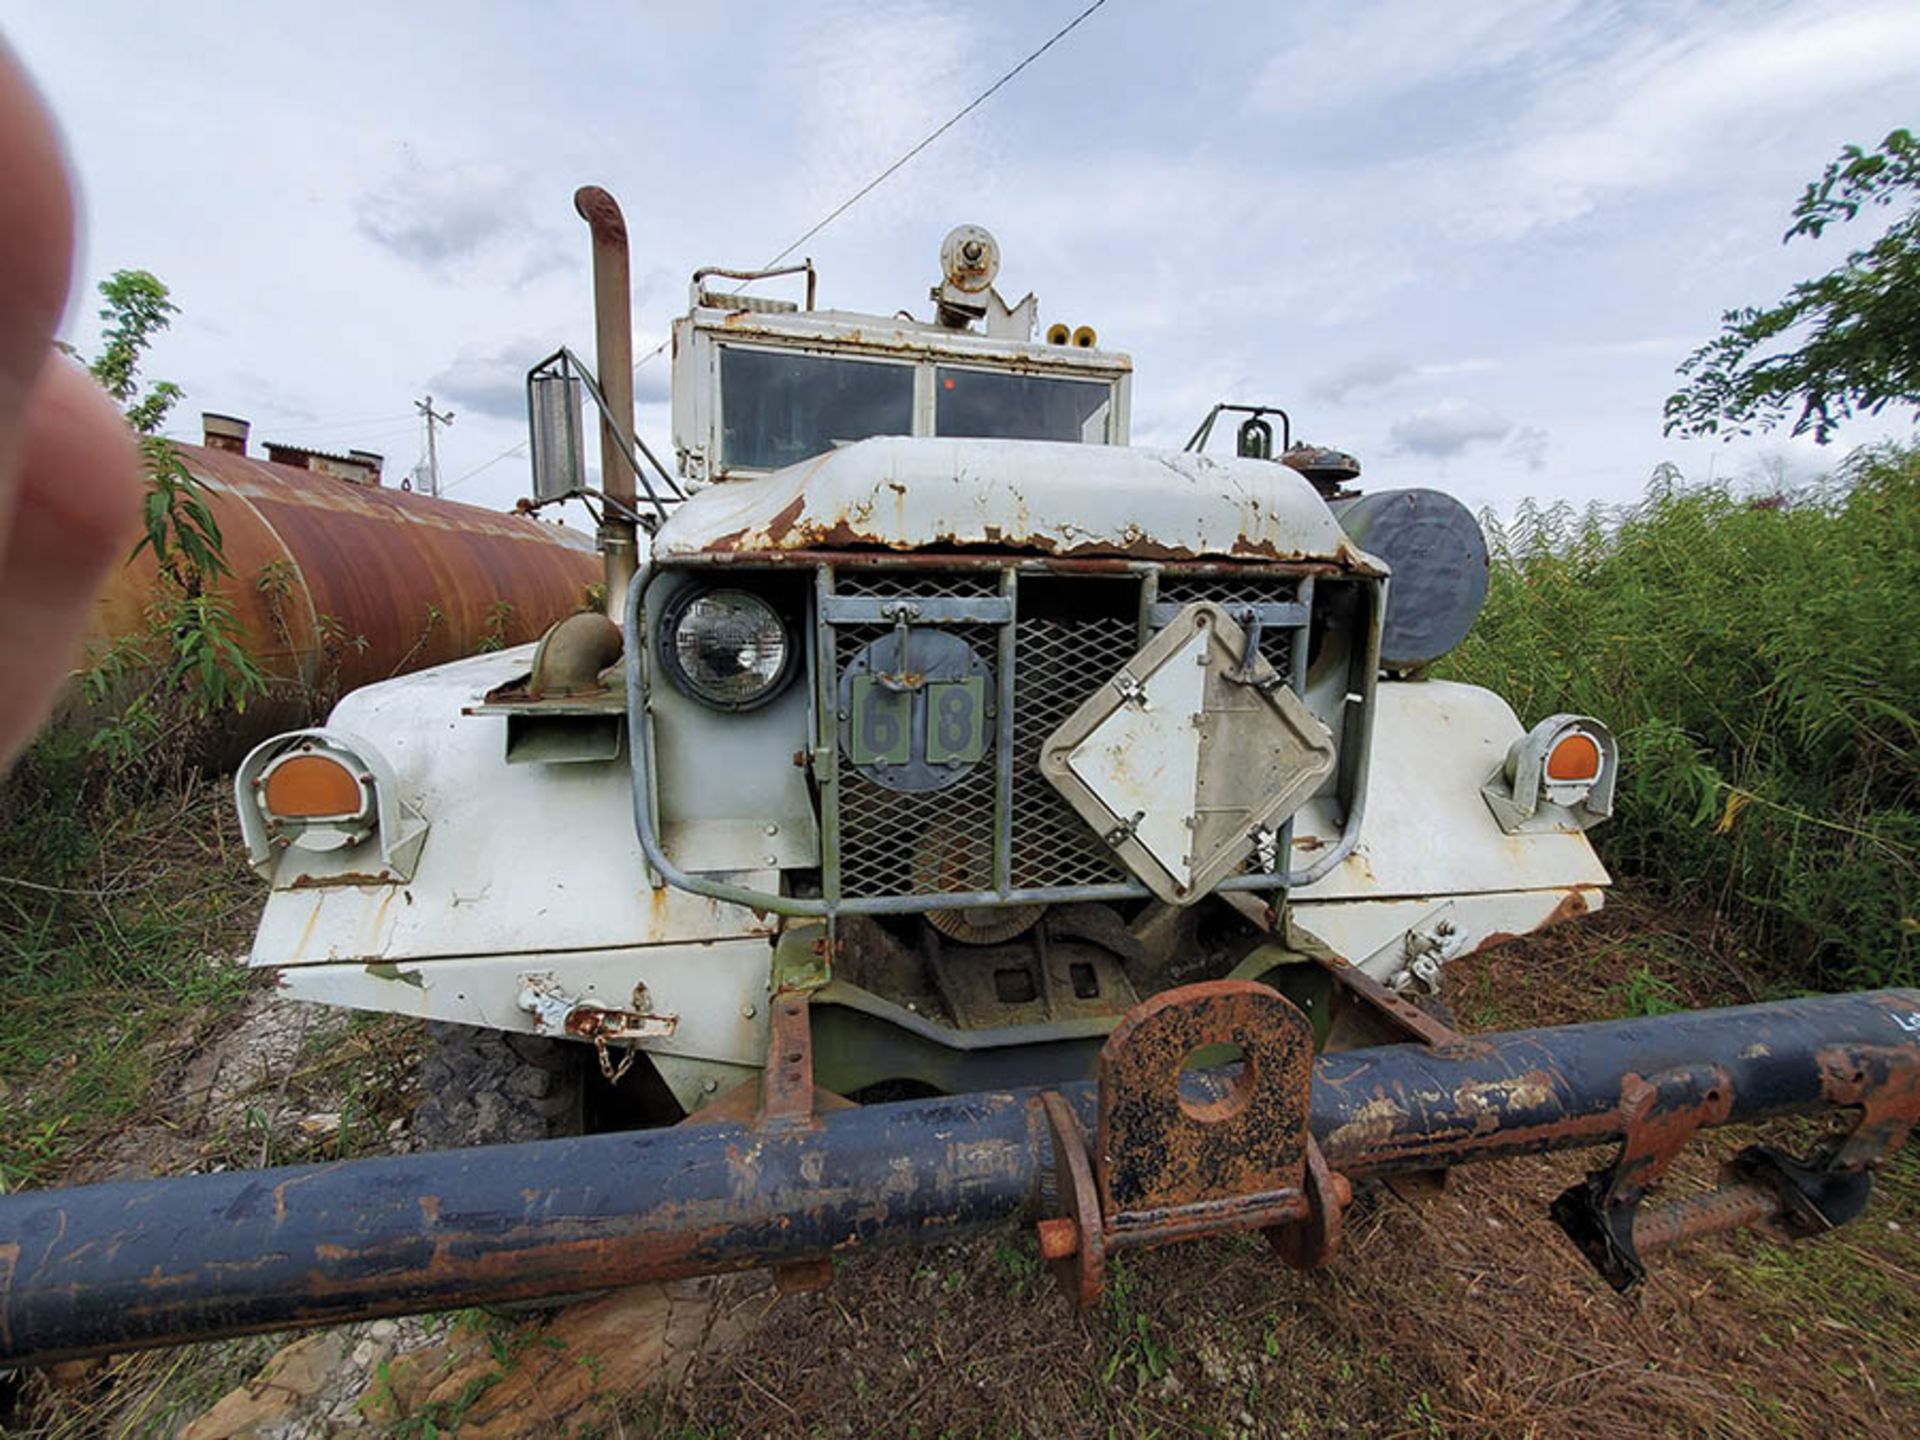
[(1179, 762)]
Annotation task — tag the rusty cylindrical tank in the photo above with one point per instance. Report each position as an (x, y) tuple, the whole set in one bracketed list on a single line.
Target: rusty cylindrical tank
[(336, 585)]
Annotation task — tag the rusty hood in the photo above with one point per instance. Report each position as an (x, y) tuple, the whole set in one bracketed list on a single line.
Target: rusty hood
[(900, 493)]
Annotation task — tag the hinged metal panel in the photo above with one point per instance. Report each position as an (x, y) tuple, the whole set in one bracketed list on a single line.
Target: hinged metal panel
[(1186, 755)]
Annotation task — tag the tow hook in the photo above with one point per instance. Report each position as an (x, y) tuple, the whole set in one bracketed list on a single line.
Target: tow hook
[(555, 1012)]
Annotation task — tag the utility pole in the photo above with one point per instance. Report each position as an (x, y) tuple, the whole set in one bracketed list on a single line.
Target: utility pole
[(433, 417)]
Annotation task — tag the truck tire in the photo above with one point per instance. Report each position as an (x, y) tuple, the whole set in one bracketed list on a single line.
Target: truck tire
[(495, 1087)]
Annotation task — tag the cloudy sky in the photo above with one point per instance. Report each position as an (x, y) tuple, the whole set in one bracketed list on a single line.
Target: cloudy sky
[(1467, 241)]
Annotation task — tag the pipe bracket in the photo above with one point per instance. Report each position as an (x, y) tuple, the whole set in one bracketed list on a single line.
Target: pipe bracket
[(1179, 1156)]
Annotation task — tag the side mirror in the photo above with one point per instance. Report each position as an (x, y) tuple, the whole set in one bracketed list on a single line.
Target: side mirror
[(558, 439)]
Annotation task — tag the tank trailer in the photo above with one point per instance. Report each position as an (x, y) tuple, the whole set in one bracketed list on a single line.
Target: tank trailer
[(958, 818)]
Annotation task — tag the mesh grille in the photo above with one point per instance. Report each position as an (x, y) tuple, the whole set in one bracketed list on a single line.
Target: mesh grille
[(918, 584), (1275, 644), (934, 842), (1072, 634), (925, 842), (1062, 652)]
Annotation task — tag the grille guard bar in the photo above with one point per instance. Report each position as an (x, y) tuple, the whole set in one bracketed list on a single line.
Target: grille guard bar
[(1355, 740), (116, 1267)]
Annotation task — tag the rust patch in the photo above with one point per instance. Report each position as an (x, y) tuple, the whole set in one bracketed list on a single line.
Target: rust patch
[(1884, 1082), (1160, 1149), (1571, 906), (788, 535)]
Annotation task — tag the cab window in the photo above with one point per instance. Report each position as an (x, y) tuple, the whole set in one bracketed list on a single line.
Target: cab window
[(993, 404), (778, 409)]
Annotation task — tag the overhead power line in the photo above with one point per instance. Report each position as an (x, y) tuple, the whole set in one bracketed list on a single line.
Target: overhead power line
[(931, 136), (513, 449), (953, 120)]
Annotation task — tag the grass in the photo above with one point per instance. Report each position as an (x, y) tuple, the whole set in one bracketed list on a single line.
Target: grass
[(118, 926), (1759, 663)]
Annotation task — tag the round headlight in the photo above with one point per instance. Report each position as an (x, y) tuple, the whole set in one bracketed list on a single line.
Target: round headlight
[(728, 648)]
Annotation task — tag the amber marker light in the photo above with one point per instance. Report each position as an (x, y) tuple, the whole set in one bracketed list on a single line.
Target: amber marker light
[(1575, 756), (313, 787)]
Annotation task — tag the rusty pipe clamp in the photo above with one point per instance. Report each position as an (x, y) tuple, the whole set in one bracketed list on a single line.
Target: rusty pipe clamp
[(1761, 1186), (1180, 1154)]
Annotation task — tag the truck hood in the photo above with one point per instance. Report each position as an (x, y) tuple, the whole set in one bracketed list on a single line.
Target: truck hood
[(900, 493)]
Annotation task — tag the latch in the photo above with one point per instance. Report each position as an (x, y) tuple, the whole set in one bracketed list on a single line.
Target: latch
[(1425, 950), (903, 613), (555, 1012), (1247, 672), (1266, 848)]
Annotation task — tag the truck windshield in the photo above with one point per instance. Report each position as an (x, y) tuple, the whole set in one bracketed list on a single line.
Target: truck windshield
[(978, 403), (778, 409)]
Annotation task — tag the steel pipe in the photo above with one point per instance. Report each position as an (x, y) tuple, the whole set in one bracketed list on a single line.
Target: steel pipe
[(613, 357), (114, 1267)]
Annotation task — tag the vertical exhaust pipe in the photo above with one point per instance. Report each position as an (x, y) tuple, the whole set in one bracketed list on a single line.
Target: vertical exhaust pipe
[(613, 359)]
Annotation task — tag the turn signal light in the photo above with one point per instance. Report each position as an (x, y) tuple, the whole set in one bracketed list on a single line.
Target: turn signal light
[(1575, 756), (313, 787)]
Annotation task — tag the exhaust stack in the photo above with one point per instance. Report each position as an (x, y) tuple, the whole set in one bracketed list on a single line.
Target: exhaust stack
[(613, 360)]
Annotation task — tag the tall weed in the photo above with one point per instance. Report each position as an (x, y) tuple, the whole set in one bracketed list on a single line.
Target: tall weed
[(1759, 660)]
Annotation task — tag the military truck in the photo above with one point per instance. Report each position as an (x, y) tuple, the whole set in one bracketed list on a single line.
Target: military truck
[(930, 695), (958, 816)]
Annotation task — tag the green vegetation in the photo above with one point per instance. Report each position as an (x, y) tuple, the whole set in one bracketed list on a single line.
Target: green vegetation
[(149, 693), (1760, 663), (116, 932), (1846, 342)]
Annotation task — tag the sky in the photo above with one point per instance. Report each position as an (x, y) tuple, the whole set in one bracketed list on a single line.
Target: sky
[(1468, 242)]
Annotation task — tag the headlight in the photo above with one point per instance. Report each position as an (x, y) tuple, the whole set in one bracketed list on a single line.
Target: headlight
[(728, 648)]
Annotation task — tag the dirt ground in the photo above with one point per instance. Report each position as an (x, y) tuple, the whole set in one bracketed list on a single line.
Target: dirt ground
[(1467, 1314)]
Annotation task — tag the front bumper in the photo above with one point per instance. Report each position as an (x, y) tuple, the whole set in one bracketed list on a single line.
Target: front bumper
[(769, 1181)]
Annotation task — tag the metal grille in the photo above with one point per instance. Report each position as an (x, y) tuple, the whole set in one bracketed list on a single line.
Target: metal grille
[(918, 584), (1071, 636), (925, 842), (1230, 590)]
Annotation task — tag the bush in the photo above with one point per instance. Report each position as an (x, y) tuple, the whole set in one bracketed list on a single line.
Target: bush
[(1759, 660)]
